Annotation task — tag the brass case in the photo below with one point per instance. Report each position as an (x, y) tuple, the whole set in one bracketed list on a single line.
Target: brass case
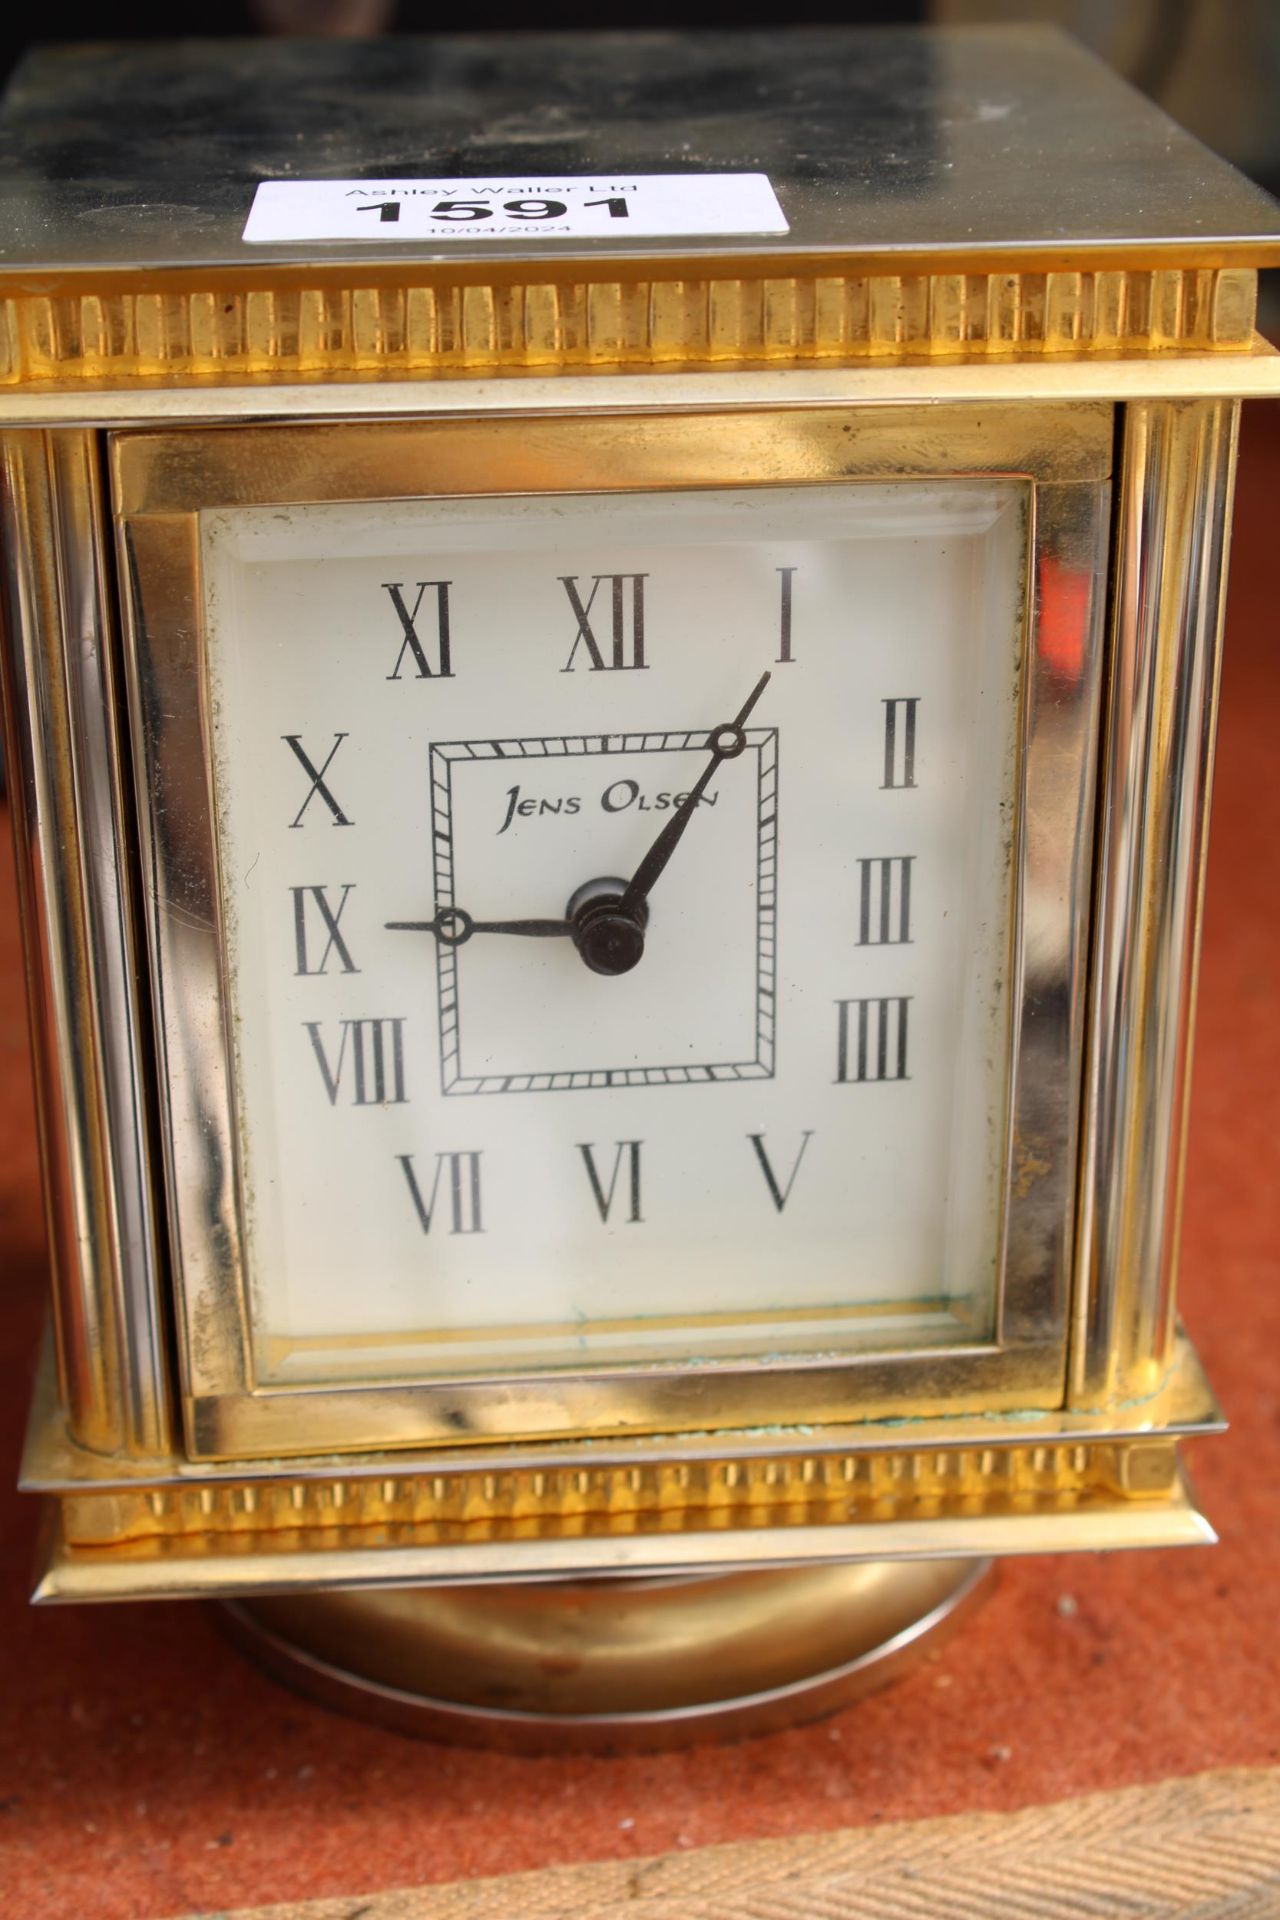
[(1104, 372), (1063, 1434)]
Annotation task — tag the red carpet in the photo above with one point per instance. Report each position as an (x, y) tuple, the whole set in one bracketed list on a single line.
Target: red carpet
[(145, 1770)]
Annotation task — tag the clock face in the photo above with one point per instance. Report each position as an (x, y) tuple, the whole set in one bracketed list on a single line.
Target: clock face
[(774, 1119)]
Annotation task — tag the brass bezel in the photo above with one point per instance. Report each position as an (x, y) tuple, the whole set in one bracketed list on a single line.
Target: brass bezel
[(162, 481)]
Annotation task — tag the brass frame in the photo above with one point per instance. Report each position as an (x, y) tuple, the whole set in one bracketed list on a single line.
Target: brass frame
[(1176, 485), (160, 483), (221, 1528), (68, 784)]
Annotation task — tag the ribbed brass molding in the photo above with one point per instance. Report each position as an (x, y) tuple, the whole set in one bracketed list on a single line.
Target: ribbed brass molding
[(605, 1502), (308, 333)]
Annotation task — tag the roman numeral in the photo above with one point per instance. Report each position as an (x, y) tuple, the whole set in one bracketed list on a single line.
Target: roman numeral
[(900, 743), (884, 909), (412, 642), (784, 615), (779, 1195), (374, 1050), (872, 1039), (626, 650), (310, 904), (628, 1150), (318, 783), (463, 1191)]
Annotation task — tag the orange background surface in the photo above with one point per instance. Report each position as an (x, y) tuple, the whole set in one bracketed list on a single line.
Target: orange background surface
[(146, 1769)]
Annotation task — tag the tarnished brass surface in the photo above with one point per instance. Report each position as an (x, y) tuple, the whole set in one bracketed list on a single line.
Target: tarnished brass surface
[(1026, 1483), (1183, 1407), (607, 1664), (889, 147)]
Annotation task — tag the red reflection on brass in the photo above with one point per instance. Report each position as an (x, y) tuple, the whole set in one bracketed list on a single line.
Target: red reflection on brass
[(1062, 624)]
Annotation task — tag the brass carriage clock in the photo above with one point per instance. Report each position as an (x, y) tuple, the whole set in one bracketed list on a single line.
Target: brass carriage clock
[(611, 662)]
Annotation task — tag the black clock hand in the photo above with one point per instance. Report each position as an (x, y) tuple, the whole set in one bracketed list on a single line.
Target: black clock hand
[(726, 743), (606, 920), (608, 927), (454, 926)]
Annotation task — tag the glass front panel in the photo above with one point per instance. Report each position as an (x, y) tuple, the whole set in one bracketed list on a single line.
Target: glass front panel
[(436, 727)]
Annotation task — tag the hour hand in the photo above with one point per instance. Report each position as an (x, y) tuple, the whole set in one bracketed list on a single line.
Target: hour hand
[(454, 926)]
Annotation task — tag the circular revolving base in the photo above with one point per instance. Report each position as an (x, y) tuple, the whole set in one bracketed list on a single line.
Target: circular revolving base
[(615, 1663)]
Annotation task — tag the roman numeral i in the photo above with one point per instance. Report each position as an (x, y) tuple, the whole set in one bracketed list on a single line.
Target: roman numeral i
[(628, 1151), (785, 577)]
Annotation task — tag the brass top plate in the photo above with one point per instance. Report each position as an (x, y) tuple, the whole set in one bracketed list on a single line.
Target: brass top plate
[(944, 148)]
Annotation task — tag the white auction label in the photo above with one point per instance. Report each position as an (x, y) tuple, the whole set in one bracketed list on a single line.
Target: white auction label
[(555, 207)]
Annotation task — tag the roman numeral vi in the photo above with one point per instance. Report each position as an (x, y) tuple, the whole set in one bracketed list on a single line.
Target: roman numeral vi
[(628, 1150)]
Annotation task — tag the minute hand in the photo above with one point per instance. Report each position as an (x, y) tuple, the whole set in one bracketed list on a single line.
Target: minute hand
[(726, 743)]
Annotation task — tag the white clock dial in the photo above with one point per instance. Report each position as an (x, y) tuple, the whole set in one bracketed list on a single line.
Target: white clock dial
[(785, 1127)]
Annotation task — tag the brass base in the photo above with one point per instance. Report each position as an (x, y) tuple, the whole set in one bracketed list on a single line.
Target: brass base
[(606, 1664)]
